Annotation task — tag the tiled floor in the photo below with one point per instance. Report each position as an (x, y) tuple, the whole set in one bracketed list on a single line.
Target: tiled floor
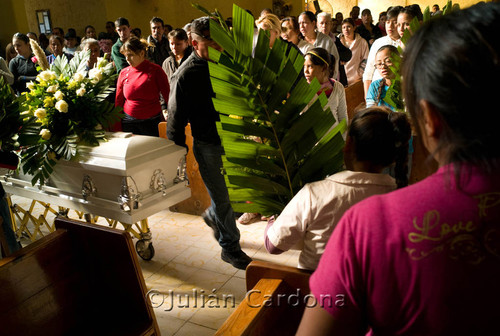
[(192, 290)]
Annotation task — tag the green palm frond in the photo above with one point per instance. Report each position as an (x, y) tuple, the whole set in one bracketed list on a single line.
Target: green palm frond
[(276, 133)]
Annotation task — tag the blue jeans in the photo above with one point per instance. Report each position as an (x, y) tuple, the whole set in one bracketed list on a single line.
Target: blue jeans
[(10, 236), (220, 211)]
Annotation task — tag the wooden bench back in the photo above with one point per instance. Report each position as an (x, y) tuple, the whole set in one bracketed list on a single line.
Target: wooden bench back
[(199, 200), (274, 302), (82, 279), (355, 98)]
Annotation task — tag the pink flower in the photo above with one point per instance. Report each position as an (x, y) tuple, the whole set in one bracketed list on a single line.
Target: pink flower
[(34, 59)]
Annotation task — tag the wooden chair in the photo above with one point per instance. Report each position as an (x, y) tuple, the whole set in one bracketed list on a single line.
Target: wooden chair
[(274, 303), (82, 279), (199, 200)]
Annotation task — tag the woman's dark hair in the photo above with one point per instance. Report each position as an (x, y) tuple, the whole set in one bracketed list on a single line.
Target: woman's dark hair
[(452, 78), (393, 50), (57, 37), (310, 15), (381, 136), (87, 27), (293, 21), (320, 56), (22, 37), (350, 21), (413, 11), (393, 12), (135, 45), (179, 34)]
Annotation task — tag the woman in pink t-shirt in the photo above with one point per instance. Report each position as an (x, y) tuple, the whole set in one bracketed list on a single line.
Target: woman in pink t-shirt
[(425, 259)]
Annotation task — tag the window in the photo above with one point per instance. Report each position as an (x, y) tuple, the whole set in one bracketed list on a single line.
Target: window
[(43, 17)]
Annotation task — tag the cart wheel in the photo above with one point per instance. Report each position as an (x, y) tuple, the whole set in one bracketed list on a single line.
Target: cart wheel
[(144, 250)]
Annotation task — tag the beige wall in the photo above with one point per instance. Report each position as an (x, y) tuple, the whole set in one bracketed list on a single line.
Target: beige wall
[(19, 15), (12, 19)]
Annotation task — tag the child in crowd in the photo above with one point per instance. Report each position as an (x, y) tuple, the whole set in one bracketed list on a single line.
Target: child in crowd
[(378, 88)]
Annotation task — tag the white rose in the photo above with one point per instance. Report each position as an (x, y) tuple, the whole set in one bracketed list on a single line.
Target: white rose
[(78, 77), (52, 89), (40, 113), (45, 134), (46, 75), (30, 85), (59, 95), (95, 74), (81, 91), (62, 106)]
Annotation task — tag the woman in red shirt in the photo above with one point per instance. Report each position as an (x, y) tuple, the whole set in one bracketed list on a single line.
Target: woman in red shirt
[(138, 90)]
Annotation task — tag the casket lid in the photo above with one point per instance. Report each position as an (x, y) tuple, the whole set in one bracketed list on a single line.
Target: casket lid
[(122, 151)]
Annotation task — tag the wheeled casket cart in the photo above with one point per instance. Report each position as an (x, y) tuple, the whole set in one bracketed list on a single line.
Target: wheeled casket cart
[(125, 180)]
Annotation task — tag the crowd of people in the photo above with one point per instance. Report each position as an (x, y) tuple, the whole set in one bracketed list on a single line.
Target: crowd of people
[(393, 252)]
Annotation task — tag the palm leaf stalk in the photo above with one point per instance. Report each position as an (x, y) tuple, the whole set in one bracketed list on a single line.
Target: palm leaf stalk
[(276, 133)]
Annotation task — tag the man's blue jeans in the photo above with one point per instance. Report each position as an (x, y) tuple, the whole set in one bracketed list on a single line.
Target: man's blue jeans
[(220, 211)]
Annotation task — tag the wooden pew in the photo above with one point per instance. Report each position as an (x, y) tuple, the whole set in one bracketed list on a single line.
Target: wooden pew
[(274, 303), (355, 98), (199, 200), (82, 279)]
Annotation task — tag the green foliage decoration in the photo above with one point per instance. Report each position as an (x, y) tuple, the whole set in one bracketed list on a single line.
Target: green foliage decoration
[(275, 130), (63, 109)]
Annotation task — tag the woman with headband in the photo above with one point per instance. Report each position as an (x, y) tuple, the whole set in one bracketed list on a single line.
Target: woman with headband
[(318, 64)]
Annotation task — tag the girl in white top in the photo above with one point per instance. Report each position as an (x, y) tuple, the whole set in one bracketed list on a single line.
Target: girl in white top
[(355, 68), (376, 139), (318, 64), (307, 24), (391, 38)]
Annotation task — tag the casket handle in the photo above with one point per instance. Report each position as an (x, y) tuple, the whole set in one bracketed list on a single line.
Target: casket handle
[(88, 187)]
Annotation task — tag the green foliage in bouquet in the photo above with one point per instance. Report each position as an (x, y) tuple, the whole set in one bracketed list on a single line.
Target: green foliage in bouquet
[(276, 134), (394, 96), (10, 119), (63, 109)]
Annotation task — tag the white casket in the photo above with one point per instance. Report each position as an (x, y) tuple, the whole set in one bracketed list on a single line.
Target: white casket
[(128, 178)]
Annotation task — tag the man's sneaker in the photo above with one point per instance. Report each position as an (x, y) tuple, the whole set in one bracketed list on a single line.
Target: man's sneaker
[(238, 259), (212, 225)]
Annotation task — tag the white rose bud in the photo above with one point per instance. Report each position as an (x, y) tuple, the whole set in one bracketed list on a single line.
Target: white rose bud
[(40, 113), (62, 106), (80, 92), (96, 74), (101, 62), (45, 134), (30, 85), (52, 89), (78, 77), (59, 95)]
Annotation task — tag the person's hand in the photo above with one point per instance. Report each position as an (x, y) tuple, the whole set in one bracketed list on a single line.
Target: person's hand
[(165, 114)]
